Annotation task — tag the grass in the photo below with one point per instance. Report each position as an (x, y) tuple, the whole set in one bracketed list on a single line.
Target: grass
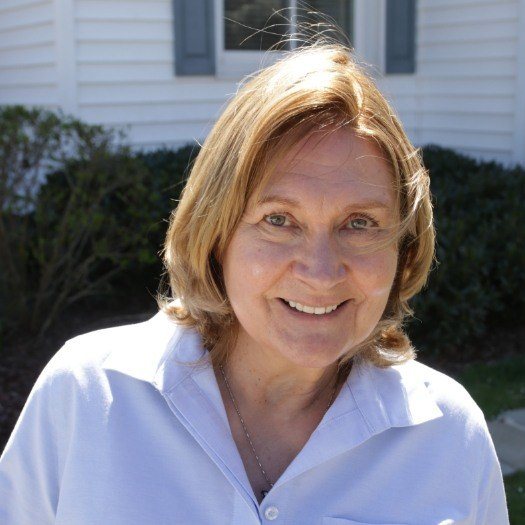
[(515, 490), (498, 386)]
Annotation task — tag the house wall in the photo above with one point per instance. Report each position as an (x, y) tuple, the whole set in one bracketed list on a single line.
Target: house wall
[(465, 92), (28, 59), (463, 95), (125, 71), (112, 62)]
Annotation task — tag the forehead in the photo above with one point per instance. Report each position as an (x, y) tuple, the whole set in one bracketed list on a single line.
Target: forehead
[(335, 166)]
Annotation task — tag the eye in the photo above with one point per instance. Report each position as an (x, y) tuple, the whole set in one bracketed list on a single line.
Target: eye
[(358, 224), (361, 223), (277, 219)]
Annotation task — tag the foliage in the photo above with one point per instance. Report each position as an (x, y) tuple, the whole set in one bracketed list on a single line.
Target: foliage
[(496, 386), (71, 214), (167, 170), (476, 283), (81, 214), (166, 174), (515, 491)]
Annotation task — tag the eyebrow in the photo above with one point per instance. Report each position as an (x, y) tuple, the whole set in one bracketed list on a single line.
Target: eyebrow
[(362, 205)]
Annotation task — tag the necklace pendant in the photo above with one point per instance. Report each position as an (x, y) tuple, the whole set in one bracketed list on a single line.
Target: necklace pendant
[(264, 493)]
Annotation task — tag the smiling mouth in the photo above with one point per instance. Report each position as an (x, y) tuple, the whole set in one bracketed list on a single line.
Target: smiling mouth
[(314, 310)]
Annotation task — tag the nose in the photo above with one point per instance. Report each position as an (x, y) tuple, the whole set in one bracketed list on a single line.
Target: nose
[(320, 263)]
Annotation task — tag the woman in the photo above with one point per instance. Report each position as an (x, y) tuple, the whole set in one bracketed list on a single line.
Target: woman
[(279, 386)]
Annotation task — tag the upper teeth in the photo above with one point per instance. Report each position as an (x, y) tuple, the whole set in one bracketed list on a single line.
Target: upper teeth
[(312, 309)]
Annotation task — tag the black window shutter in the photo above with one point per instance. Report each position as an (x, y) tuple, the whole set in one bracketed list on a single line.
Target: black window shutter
[(194, 37), (400, 36)]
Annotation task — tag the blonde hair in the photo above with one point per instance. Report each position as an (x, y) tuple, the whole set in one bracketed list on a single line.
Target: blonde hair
[(320, 87)]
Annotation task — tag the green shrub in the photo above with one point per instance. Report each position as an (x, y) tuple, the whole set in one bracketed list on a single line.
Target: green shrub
[(477, 282), (167, 171), (74, 209)]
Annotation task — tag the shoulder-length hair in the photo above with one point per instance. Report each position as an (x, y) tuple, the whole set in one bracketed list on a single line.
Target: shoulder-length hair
[(314, 89)]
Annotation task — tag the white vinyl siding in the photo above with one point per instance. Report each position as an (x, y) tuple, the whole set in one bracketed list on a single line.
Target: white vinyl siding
[(112, 62), (464, 92), (28, 65), (126, 76)]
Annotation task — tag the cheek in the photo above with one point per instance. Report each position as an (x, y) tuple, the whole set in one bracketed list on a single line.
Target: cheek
[(255, 268), (249, 269), (378, 273)]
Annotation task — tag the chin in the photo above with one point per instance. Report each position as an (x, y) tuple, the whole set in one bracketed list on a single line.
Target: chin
[(315, 354)]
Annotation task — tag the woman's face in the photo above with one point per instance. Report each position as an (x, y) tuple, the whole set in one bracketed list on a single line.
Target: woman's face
[(310, 242)]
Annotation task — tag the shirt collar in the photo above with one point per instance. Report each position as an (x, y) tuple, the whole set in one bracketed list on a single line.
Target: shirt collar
[(371, 401), (164, 353)]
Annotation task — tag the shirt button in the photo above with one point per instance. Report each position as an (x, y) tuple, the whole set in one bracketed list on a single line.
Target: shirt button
[(271, 513)]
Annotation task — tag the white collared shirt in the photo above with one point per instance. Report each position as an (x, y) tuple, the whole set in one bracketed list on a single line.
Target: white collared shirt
[(120, 430)]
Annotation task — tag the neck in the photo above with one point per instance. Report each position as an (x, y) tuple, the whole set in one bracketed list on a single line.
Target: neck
[(277, 386)]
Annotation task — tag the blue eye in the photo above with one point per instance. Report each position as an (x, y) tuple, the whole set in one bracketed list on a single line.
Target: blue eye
[(276, 219), (359, 224)]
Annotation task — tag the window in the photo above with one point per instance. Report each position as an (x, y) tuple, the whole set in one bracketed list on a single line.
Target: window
[(264, 24), (230, 38)]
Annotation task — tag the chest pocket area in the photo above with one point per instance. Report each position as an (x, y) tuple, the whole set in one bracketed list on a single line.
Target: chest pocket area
[(344, 521)]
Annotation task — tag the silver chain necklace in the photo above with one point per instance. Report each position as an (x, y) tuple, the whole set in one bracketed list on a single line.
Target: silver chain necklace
[(270, 484)]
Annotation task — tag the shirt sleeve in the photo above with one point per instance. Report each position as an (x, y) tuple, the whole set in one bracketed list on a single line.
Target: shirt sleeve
[(29, 473), (492, 505)]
